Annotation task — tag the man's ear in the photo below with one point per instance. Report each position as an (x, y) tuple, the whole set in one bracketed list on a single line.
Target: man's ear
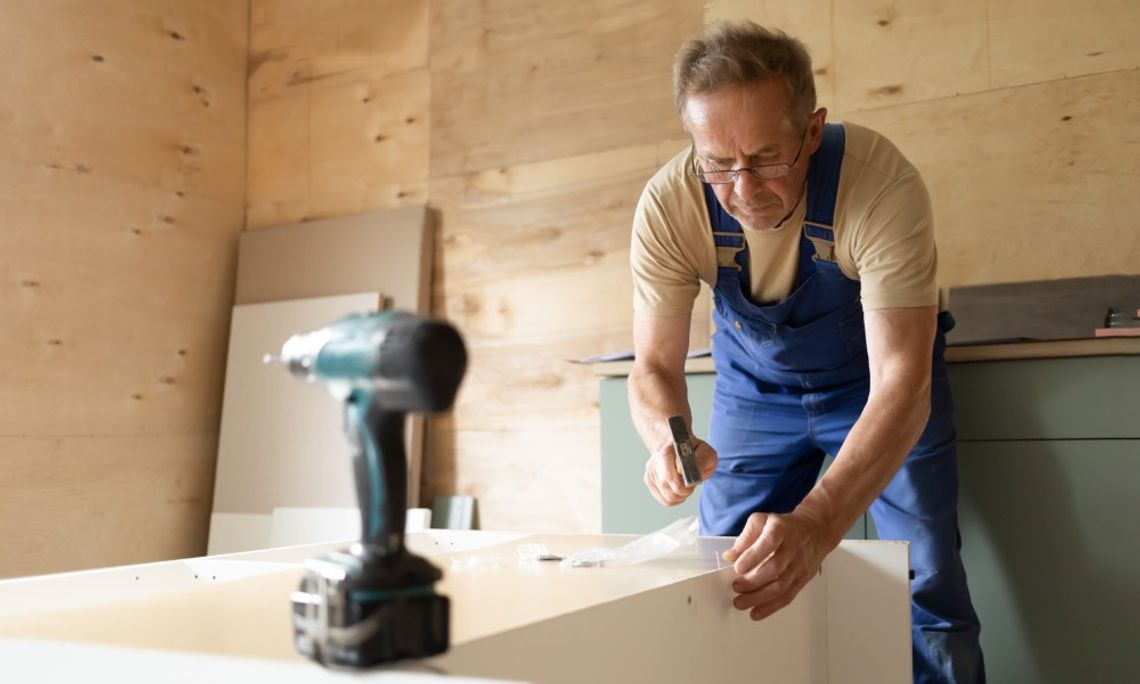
[(815, 130)]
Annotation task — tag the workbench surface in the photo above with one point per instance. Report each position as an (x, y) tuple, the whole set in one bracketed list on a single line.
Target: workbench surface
[(511, 618)]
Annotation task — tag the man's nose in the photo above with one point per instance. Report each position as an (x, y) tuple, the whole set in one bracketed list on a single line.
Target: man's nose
[(746, 184)]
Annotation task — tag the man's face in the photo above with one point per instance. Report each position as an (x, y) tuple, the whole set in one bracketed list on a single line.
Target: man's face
[(752, 125)]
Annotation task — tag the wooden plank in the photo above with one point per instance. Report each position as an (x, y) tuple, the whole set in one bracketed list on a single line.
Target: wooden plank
[(552, 215), (1039, 40), (1070, 308), (71, 503), (1044, 350), (499, 185), (531, 382), (338, 109), (306, 207), (512, 78), (117, 306), (1052, 197), (349, 143), (533, 267), (527, 478), (351, 35), (180, 67), (278, 154), (884, 55), (808, 20), (537, 248), (352, 137), (881, 50), (123, 179), (523, 305)]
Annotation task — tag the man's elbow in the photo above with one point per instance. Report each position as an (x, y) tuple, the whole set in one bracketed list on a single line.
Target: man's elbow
[(653, 370)]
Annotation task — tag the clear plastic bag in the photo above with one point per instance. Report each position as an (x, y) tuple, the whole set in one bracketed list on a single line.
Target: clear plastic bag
[(678, 536)]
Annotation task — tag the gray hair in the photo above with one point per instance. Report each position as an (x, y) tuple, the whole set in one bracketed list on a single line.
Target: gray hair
[(732, 53)]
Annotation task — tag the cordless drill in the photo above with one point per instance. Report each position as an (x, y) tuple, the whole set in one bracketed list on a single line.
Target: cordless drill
[(376, 602)]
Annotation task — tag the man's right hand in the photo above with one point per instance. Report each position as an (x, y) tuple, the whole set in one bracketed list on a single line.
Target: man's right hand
[(662, 478)]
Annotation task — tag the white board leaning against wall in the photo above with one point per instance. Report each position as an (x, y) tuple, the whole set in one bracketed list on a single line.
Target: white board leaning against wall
[(281, 444), (298, 266)]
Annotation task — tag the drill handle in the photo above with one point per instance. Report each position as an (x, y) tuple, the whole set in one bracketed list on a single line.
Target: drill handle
[(379, 462)]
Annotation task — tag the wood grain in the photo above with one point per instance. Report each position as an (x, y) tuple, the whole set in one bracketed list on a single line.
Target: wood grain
[(94, 500), (1029, 183), (885, 52), (523, 80), (121, 193), (342, 35), (351, 143), (527, 478), (68, 66), (1042, 40), (117, 310), (880, 54), (338, 108)]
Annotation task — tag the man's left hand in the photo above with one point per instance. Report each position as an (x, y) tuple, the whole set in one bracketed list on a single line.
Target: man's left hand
[(774, 558)]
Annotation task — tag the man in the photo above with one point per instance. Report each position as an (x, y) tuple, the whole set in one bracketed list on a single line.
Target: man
[(818, 242)]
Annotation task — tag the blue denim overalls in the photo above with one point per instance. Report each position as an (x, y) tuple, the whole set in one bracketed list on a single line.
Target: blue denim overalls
[(792, 379)]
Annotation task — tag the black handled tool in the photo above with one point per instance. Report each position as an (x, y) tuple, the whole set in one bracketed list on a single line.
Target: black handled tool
[(683, 448)]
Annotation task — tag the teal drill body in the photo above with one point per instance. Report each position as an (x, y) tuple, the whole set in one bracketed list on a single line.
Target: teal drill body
[(376, 602)]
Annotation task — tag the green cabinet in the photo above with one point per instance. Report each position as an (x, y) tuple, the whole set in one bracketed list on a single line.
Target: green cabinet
[(1049, 505), (627, 506), (1049, 508), (1050, 532)]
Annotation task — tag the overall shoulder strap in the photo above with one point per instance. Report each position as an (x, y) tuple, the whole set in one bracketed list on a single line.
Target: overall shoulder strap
[(822, 188)]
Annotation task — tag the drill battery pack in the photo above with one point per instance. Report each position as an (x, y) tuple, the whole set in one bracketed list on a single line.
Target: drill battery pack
[(354, 611)]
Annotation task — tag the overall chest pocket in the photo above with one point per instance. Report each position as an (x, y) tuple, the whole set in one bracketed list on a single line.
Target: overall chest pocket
[(827, 343)]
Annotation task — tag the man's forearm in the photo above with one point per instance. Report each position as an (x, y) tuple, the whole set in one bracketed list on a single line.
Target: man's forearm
[(654, 395), (888, 428)]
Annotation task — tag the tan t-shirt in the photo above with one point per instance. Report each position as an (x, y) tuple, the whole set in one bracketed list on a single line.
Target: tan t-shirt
[(884, 235)]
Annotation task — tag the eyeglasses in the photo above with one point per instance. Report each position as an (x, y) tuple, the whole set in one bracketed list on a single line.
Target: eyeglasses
[(761, 172)]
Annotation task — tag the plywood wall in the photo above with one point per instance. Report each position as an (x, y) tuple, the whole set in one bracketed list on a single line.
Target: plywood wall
[(122, 156), (531, 127)]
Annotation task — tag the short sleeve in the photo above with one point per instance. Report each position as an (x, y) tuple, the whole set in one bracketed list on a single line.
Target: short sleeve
[(893, 247), (666, 279)]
